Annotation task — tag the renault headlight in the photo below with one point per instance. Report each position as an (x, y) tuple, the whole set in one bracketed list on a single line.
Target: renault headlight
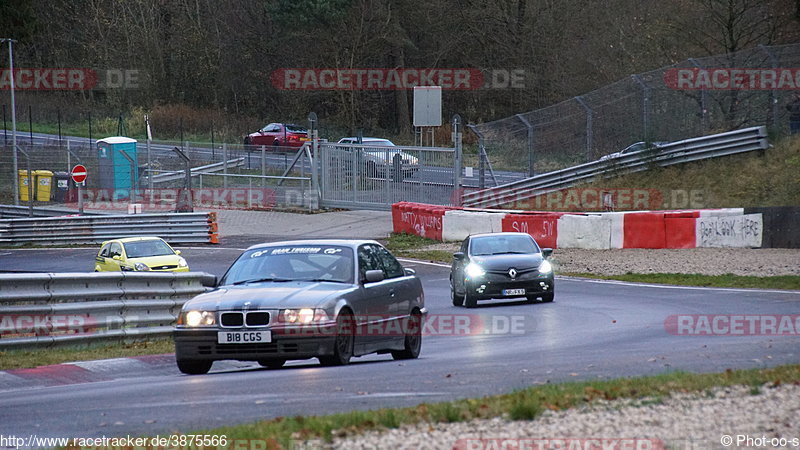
[(182, 262), (304, 316), (545, 267), (474, 271), (140, 267), (197, 318)]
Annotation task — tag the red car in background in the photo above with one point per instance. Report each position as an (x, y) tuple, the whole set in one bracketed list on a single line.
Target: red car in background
[(278, 135)]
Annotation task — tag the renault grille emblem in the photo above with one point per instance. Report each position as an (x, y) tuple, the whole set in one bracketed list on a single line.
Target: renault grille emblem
[(512, 273)]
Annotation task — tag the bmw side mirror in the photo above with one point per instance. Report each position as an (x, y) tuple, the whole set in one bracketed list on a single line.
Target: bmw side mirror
[(209, 280), (547, 252), (373, 275), (458, 255), (410, 272)]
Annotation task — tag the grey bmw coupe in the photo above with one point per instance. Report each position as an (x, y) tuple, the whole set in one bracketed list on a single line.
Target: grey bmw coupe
[(326, 299)]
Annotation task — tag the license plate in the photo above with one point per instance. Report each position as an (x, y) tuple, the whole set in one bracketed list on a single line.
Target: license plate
[(244, 337), (513, 291)]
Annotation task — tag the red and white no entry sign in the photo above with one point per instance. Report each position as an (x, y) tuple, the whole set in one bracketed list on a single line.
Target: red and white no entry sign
[(79, 173)]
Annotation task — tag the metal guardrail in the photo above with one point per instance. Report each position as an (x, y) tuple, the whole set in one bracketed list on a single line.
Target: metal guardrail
[(52, 309), (9, 211), (694, 149), (196, 171), (172, 227)]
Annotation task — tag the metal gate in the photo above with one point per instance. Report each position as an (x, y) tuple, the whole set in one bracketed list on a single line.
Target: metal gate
[(369, 176), (376, 173)]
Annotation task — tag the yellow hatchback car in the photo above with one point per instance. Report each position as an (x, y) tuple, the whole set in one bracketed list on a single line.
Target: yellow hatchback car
[(139, 254)]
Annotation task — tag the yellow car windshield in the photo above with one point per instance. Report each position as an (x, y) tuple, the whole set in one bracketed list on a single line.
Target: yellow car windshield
[(143, 249)]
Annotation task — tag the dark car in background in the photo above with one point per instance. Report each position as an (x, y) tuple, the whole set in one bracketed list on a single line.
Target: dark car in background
[(500, 265), (277, 135), (327, 299)]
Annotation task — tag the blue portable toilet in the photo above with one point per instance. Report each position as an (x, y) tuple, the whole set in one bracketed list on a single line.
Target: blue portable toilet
[(116, 172)]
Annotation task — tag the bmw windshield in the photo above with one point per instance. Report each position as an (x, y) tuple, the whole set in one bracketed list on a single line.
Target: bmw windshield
[(292, 263)]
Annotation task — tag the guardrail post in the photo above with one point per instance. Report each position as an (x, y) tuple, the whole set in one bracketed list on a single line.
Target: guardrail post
[(589, 136), (149, 159), (481, 156), (529, 139), (457, 157), (645, 107), (314, 135), (703, 101), (772, 118), (184, 202), (15, 168), (225, 165), (263, 164)]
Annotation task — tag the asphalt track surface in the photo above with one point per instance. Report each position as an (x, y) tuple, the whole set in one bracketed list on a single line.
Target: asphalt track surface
[(594, 330)]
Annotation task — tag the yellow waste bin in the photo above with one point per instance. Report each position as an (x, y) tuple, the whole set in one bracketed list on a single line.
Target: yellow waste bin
[(44, 184), (23, 184)]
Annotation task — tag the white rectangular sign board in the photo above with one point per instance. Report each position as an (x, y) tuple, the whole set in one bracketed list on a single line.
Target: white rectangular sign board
[(427, 106)]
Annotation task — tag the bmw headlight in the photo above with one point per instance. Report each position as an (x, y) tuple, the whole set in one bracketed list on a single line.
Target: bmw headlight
[(474, 271), (545, 267), (197, 318), (140, 267), (304, 316), (182, 262)]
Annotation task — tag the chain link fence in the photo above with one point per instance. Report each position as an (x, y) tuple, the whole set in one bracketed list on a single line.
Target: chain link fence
[(646, 107), (221, 175)]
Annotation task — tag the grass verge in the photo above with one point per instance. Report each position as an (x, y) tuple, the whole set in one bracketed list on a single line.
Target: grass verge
[(412, 246), (19, 359), (759, 178), (682, 279), (524, 404)]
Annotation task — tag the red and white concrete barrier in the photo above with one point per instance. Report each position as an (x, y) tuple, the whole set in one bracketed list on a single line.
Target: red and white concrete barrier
[(728, 227)]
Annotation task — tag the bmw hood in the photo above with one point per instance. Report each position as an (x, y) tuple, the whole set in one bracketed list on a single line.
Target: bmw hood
[(507, 260), (269, 295)]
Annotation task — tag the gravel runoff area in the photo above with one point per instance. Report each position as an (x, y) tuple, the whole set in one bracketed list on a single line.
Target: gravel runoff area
[(703, 261), (681, 421)]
